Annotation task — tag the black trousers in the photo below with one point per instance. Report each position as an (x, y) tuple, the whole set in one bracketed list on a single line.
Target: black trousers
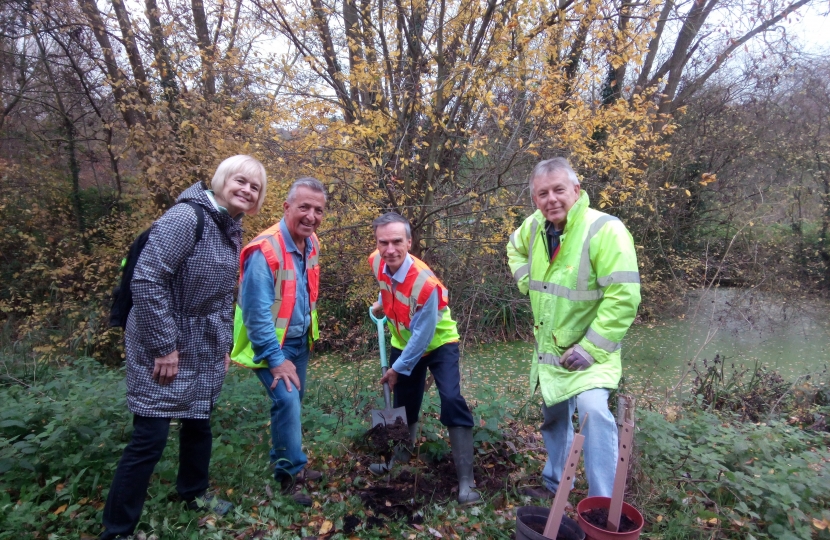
[(409, 390), (129, 487)]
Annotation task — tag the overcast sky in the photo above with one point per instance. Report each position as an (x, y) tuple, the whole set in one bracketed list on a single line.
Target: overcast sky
[(812, 27)]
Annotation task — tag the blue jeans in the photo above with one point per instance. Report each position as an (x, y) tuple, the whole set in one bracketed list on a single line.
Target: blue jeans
[(287, 456), (600, 448), (132, 477), (409, 390)]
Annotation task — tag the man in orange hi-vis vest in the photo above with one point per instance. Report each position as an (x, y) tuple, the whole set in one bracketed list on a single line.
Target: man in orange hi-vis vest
[(424, 336), (276, 323)]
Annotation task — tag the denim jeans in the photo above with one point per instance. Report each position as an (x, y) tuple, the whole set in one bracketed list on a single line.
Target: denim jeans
[(600, 447), (132, 477), (287, 456), (409, 390)]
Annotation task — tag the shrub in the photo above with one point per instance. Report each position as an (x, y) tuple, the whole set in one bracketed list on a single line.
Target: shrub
[(728, 479)]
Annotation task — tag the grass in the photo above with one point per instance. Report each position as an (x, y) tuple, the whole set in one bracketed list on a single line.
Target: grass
[(697, 474)]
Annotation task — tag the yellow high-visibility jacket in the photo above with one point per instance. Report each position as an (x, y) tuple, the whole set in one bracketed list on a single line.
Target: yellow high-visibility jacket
[(588, 295)]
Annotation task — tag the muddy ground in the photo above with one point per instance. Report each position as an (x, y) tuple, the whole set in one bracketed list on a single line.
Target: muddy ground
[(401, 494), (417, 487)]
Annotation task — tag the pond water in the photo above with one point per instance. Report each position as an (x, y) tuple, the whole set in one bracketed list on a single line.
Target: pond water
[(791, 335), (743, 327)]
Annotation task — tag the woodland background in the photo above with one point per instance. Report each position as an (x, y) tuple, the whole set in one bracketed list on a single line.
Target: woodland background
[(703, 124)]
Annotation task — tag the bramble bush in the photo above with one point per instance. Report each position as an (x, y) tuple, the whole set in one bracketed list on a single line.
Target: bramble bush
[(713, 476)]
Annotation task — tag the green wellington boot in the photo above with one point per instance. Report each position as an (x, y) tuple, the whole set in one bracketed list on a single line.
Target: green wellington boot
[(461, 441)]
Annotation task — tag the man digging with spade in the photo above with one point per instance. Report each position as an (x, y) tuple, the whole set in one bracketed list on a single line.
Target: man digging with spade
[(424, 336)]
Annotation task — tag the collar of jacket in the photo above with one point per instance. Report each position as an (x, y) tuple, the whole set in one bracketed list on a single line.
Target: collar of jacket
[(232, 227)]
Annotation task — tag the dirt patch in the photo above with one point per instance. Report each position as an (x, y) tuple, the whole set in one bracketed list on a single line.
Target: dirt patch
[(598, 517), (350, 523), (407, 488), (400, 495), (382, 439)]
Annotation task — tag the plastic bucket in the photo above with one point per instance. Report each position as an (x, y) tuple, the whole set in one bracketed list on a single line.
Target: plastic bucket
[(527, 515), (592, 532)]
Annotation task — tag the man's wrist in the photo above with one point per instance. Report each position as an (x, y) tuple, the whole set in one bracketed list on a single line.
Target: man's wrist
[(275, 362), (400, 368)]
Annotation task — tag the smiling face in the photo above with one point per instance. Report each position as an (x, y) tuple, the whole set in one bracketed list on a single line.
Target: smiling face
[(304, 213), (393, 244), (240, 193), (554, 194)]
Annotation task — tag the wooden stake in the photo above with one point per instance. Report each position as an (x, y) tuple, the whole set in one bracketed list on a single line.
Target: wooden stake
[(557, 509), (615, 509), (625, 409)]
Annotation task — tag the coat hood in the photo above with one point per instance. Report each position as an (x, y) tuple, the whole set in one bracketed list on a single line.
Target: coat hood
[(198, 194)]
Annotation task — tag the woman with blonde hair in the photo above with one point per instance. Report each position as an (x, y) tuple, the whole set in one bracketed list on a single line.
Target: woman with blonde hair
[(178, 336)]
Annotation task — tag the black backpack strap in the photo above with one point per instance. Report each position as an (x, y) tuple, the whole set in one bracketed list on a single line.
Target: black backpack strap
[(200, 218)]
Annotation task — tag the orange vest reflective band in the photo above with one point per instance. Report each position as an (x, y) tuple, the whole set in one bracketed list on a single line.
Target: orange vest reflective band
[(400, 306), (281, 263)]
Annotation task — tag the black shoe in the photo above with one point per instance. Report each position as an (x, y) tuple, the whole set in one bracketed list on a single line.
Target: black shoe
[(293, 489)]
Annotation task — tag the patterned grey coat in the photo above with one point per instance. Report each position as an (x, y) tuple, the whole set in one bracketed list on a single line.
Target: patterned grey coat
[(183, 300)]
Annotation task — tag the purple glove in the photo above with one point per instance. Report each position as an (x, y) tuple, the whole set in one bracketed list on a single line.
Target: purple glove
[(576, 359)]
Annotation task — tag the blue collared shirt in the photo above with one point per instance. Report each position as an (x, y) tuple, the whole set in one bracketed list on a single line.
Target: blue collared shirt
[(422, 325), (256, 296)]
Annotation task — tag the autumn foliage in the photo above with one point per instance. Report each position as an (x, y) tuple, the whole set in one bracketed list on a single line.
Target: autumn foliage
[(437, 110)]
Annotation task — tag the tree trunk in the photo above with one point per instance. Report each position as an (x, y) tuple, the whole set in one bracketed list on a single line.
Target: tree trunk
[(68, 128), (133, 54), (162, 55), (354, 44), (205, 47), (132, 115)]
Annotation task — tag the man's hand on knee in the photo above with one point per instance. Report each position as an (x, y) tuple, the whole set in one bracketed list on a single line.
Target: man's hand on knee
[(288, 373)]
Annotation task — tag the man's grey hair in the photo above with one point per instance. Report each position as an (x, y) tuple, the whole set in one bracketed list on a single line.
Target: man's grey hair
[(551, 166), (392, 217), (307, 182)]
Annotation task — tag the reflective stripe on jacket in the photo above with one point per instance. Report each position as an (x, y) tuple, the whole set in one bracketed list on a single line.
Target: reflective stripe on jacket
[(408, 297), (588, 295), (281, 263)]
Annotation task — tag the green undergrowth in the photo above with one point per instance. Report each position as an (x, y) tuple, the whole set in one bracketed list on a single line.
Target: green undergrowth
[(701, 475), (713, 476)]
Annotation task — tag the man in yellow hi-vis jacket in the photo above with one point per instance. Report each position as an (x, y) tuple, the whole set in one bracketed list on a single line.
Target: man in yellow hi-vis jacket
[(579, 267)]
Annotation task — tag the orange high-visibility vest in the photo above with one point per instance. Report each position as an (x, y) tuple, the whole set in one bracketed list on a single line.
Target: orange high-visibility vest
[(281, 263), (400, 306)]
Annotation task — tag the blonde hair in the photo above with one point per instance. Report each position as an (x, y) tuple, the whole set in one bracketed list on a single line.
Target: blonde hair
[(246, 165)]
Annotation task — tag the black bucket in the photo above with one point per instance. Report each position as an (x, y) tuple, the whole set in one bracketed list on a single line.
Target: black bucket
[(527, 515)]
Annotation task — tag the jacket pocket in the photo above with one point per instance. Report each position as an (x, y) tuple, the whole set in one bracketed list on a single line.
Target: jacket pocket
[(565, 339), (179, 395)]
